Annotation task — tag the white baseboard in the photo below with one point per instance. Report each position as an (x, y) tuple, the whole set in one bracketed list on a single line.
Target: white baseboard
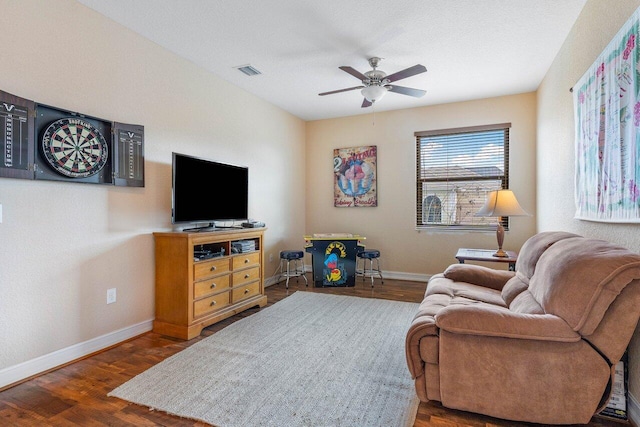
[(411, 277), (633, 410), (21, 371), (395, 275)]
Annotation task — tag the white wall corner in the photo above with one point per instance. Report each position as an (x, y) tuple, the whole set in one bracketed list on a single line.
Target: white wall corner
[(19, 372)]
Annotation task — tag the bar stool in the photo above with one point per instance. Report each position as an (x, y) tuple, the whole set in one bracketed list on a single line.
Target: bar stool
[(370, 255), (295, 257)]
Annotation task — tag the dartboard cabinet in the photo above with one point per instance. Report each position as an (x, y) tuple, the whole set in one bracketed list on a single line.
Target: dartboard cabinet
[(44, 142)]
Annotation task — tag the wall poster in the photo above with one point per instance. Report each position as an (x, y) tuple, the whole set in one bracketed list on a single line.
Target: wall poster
[(355, 177), (606, 104)]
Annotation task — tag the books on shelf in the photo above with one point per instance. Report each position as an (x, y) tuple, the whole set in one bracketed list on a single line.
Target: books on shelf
[(241, 246)]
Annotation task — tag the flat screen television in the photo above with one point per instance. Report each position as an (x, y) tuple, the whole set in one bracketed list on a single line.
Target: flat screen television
[(206, 191)]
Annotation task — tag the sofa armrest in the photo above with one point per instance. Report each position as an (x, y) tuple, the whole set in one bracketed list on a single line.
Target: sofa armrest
[(422, 326), (487, 320), (478, 275)]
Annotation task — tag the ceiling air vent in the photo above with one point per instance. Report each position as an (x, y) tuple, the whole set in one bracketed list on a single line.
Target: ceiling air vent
[(248, 70)]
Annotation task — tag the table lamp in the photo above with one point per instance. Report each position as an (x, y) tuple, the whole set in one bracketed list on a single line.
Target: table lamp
[(501, 203)]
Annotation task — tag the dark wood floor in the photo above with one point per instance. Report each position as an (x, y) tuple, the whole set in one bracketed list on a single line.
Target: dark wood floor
[(76, 395)]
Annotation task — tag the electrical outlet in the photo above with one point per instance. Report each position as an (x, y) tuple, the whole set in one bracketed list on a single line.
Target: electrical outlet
[(111, 295), (270, 257)]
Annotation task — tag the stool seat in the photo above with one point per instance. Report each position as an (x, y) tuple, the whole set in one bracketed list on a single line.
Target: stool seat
[(369, 254), (291, 255)]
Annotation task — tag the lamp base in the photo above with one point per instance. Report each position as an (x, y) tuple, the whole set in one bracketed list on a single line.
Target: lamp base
[(500, 237), (500, 253)]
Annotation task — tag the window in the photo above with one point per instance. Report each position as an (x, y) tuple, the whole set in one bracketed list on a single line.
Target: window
[(432, 209), (456, 169)]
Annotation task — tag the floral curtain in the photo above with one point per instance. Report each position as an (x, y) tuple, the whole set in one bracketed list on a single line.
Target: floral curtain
[(607, 119)]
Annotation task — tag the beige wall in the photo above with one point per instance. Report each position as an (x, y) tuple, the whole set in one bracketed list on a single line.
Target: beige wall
[(390, 226), (62, 245), (599, 21)]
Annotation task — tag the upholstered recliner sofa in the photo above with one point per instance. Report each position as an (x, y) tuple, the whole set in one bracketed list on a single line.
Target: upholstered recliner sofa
[(539, 344)]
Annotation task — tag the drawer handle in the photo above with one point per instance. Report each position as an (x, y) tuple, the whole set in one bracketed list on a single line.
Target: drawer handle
[(246, 276), (213, 268), (212, 303), (246, 260), (213, 285), (246, 291)]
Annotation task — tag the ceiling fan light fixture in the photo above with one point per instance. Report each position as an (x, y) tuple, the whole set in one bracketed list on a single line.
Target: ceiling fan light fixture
[(375, 83), (374, 93)]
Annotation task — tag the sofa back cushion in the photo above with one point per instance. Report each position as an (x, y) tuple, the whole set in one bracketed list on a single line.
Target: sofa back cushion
[(530, 252), (525, 303), (534, 247), (578, 278)]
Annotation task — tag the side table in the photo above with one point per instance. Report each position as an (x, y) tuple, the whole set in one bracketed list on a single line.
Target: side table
[(486, 255)]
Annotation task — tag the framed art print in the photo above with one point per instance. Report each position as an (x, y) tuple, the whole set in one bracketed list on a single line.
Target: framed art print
[(355, 176)]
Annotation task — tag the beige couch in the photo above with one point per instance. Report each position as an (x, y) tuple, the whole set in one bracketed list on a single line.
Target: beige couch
[(539, 344)]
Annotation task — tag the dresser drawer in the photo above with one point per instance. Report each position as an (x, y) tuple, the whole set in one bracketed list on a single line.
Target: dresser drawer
[(210, 268), (210, 286), (212, 303), (246, 260), (242, 292), (246, 276)]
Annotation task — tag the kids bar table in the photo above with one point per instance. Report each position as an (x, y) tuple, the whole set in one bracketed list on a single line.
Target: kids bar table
[(333, 258)]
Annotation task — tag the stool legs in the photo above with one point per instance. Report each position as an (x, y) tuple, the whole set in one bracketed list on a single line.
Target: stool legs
[(288, 274), (371, 272), (304, 276), (296, 272)]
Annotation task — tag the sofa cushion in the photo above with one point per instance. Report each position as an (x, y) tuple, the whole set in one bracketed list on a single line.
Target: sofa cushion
[(525, 303), (478, 275), (514, 287), (442, 291), (578, 278), (492, 321)]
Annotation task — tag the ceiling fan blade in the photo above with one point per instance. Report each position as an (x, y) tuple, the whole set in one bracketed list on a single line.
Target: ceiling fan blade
[(408, 72), (355, 73), (366, 103), (406, 90), (341, 90)]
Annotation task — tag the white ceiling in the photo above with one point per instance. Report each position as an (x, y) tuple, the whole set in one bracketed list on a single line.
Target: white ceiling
[(472, 49)]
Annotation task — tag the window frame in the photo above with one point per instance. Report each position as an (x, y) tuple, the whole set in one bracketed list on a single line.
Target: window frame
[(421, 195)]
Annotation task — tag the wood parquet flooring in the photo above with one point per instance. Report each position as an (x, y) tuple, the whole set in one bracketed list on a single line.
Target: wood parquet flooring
[(76, 394)]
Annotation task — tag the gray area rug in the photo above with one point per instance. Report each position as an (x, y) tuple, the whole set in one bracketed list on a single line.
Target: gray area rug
[(309, 360)]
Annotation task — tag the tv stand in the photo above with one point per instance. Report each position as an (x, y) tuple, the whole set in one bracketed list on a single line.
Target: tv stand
[(201, 281)]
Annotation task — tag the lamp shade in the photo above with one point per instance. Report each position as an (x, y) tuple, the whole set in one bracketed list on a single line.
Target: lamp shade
[(373, 93), (501, 203)]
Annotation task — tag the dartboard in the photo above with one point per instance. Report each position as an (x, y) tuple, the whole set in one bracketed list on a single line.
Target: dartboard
[(75, 148)]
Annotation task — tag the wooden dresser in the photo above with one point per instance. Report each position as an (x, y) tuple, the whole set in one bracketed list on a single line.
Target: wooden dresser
[(203, 278)]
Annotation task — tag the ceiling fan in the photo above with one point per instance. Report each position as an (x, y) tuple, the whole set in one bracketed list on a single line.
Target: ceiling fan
[(376, 83)]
